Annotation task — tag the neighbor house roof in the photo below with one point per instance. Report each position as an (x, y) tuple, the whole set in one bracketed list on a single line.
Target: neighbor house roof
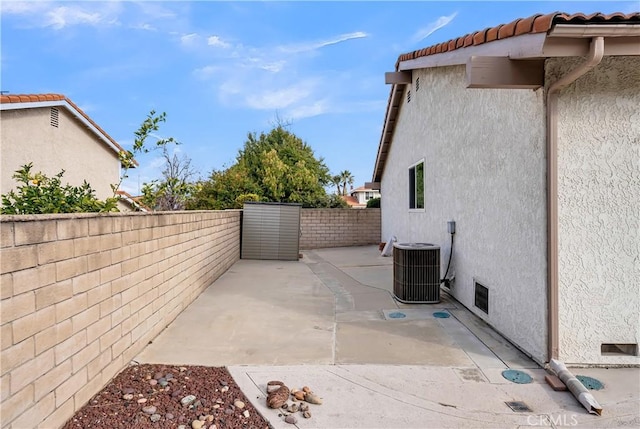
[(351, 201), (28, 101), (538, 36)]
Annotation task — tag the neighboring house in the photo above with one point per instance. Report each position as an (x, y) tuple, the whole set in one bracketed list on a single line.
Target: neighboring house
[(128, 202), (358, 197), (55, 134), (527, 135), (364, 194)]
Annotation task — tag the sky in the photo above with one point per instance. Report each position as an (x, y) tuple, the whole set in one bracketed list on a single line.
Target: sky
[(221, 70)]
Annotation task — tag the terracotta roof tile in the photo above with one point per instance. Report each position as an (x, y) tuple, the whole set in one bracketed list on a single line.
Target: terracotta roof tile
[(525, 25), (534, 24), (508, 30), (34, 98)]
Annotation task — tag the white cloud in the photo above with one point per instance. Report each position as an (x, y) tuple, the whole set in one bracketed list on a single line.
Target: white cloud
[(308, 110), (312, 46), (22, 7), (206, 71), (217, 41), (279, 98), (144, 26), (48, 14), (63, 16), (189, 39), (273, 67), (432, 27)]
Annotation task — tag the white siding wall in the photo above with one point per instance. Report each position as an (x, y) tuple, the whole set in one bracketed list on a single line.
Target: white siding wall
[(485, 169), (27, 136), (599, 209)]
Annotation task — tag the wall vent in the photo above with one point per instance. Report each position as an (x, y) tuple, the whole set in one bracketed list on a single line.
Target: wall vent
[(619, 349), (417, 84), (416, 272), (54, 117), (409, 96), (481, 299)]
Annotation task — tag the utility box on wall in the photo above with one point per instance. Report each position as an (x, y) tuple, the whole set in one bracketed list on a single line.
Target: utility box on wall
[(271, 231)]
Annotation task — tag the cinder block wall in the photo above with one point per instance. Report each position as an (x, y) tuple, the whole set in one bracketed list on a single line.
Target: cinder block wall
[(339, 227), (83, 294)]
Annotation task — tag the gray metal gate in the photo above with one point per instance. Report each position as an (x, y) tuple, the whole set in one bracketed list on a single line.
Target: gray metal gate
[(271, 231)]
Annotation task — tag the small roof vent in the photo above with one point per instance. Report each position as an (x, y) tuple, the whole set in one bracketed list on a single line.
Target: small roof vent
[(54, 117)]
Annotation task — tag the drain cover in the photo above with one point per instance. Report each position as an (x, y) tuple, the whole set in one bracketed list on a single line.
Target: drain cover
[(397, 315), (519, 407), (441, 315), (516, 376), (590, 383)]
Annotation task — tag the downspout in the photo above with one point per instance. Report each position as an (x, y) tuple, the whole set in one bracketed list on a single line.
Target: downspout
[(596, 52)]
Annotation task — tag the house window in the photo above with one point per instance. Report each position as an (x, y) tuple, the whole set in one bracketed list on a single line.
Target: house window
[(417, 84), (416, 186), (408, 96)]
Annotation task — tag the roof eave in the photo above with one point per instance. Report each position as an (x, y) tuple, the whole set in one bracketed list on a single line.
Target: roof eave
[(564, 40)]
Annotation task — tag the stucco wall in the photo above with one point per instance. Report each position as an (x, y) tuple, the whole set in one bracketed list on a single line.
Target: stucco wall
[(83, 294), (339, 227), (599, 207), (27, 136), (483, 152)]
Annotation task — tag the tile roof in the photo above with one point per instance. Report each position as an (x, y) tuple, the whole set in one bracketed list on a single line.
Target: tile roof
[(39, 98), (538, 23), (534, 24), (351, 201)]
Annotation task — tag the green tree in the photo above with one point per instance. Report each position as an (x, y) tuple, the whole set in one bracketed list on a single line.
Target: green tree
[(337, 181), (175, 188), (346, 178), (276, 166)]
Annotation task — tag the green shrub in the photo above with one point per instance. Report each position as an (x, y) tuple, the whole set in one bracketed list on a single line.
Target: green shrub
[(39, 194), (373, 203)]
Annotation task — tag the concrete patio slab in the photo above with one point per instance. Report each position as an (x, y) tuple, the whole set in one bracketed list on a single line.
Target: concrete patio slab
[(324, 322), (393, 396), (397, 342), (253, 314)]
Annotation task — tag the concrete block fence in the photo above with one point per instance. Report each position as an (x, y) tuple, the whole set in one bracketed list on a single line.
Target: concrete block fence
[(323, 228), (81, 296)]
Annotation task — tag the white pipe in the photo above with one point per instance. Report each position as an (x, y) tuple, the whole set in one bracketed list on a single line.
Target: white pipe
[(576, 387), (596, 52)]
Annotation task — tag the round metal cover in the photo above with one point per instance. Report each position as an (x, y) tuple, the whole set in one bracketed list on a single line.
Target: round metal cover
[(415, 246), (516, 376), (397, 315), (590, 382), (441, 315)]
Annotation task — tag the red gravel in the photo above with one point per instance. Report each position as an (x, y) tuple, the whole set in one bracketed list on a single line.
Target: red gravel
[(108, 408)]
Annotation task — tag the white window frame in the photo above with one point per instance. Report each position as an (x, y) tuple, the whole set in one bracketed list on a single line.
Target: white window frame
[(412, 187)]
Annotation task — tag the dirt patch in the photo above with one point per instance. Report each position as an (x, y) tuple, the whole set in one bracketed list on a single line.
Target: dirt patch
[(166, 396)]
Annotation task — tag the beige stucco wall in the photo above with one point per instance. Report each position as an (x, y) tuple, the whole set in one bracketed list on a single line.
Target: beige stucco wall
[(81, 295), (599, 209), (26, 135), (483, 151)]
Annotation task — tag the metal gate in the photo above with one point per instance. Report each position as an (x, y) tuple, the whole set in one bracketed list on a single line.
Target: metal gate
[(271, 231)]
